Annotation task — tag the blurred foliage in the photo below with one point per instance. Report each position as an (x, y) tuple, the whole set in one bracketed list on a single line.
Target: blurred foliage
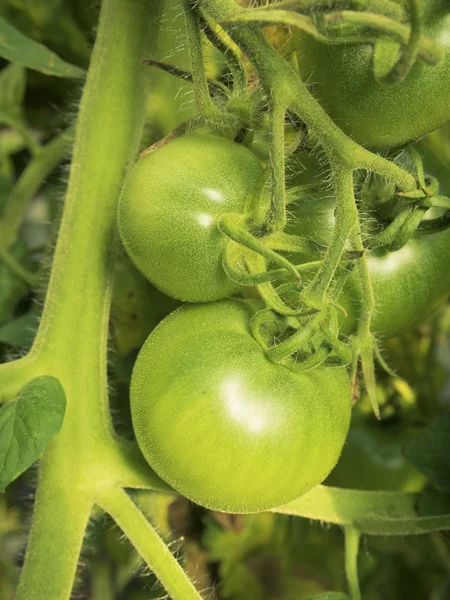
[(253, 557)]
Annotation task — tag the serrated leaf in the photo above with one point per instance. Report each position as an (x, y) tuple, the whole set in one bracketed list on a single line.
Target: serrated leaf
[(430, 450), (27, 424), (19, 332), (21, 50)]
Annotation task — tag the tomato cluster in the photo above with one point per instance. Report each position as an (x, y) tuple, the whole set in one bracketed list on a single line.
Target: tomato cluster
[(229, 409), (242, 405), (230, 429)]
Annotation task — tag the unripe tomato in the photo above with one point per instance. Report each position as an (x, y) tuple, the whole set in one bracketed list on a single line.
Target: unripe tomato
[(169, 208), (373, 459), (222, 424), (408, 284), (375, 115)]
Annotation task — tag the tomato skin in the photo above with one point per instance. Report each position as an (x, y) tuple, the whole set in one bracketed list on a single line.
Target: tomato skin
[(169, 208), (374, 115), (408, 285), (223, 425), (373, 459)]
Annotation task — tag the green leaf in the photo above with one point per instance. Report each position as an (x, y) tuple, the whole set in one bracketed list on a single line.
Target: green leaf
[(21, 50), (429, 451), (19, 332), (27, 424)]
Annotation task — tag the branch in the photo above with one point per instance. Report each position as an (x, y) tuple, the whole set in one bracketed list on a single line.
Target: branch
[(147, 543), (60, 518)]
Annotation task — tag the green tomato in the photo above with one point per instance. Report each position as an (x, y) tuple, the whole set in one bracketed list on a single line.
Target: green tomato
[(408, 284), (222, 424), (342, 79), (373, 459), (170, 206)]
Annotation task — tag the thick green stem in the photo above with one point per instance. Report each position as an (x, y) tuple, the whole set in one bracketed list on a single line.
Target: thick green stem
[(60, 518), (72, 339), (352, 537), (108, 131), (148, 544), (28, 184)]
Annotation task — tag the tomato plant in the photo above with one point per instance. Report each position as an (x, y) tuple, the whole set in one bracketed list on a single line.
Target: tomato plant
[(228, 414), (241, 404), (343, 77), (170, 207)]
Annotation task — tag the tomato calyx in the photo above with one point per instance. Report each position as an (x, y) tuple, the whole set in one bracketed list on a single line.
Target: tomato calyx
[(301, 344)]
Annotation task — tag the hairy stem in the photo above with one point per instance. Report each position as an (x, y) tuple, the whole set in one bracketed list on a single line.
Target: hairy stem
[(365, 341), (278, 205), (60, 518), (71, 343), (148, 544), (205, 104), (346, 219), (276, 73)]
